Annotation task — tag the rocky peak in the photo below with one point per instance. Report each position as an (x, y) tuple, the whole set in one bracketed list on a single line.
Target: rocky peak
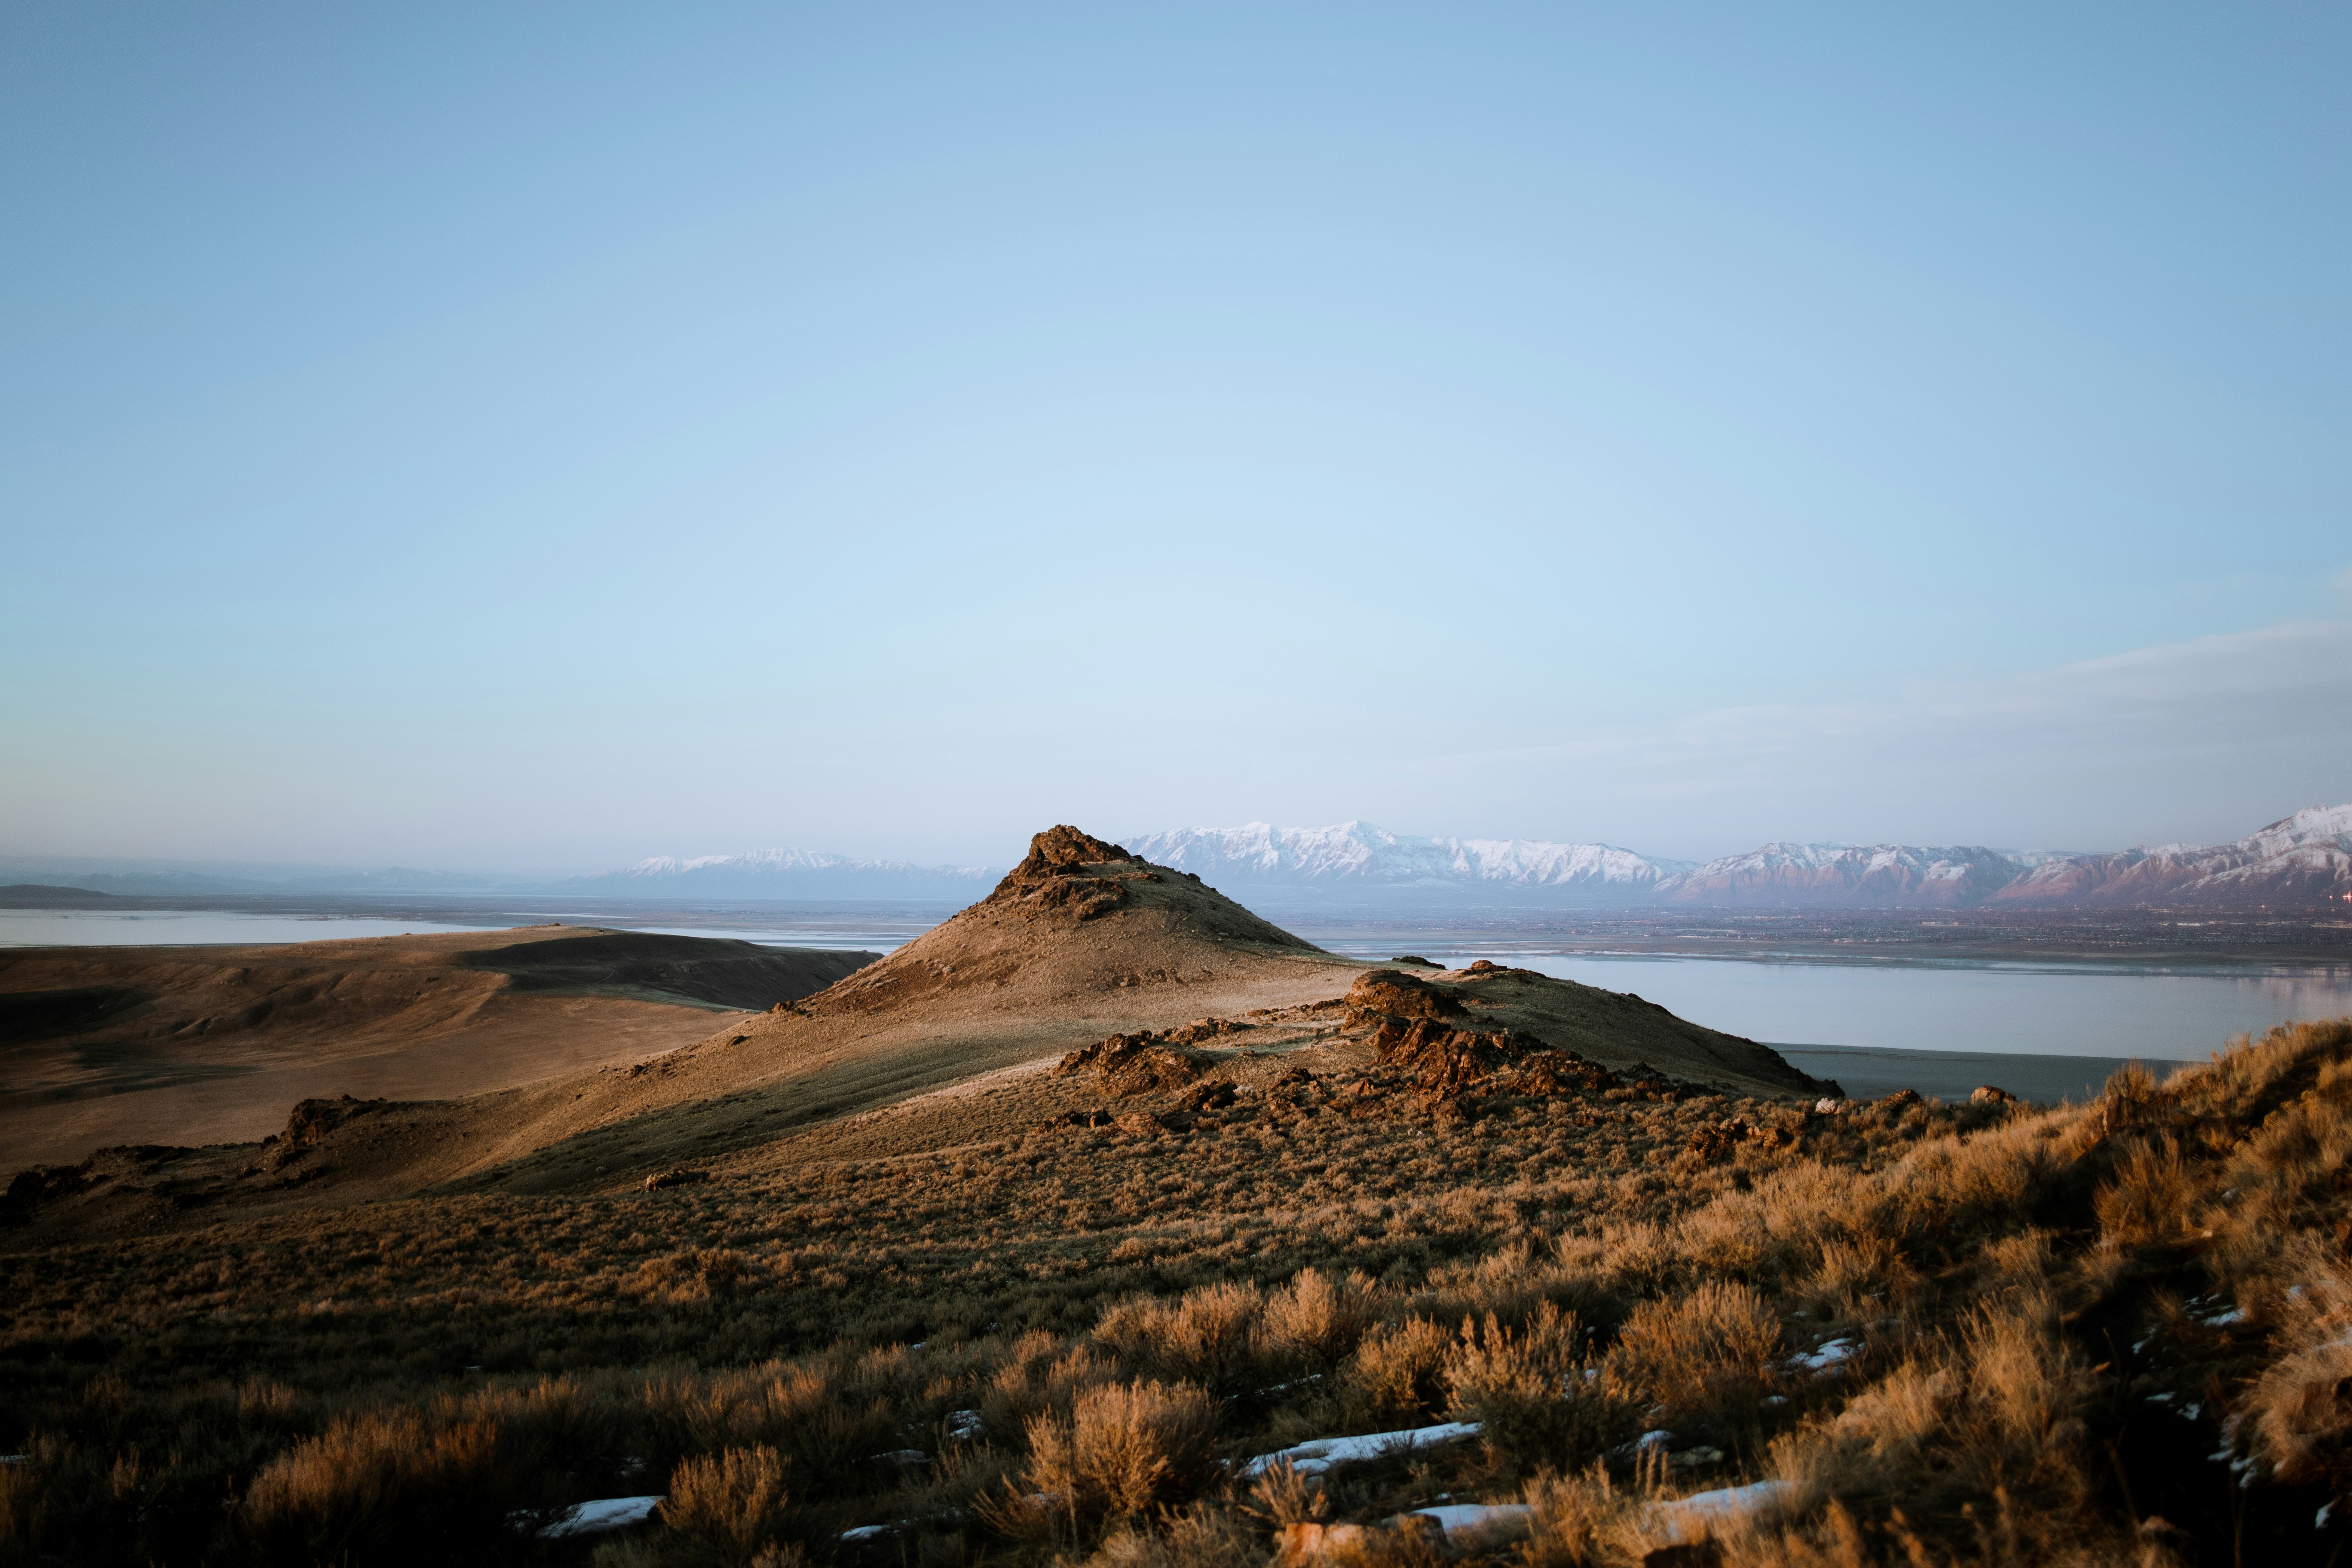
[(1061, 850)]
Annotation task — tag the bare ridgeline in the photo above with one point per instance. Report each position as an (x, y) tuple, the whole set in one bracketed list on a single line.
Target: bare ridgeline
[(1107, 1222)]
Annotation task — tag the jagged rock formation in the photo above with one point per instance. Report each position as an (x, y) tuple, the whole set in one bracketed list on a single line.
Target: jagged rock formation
[(1410, 1028)]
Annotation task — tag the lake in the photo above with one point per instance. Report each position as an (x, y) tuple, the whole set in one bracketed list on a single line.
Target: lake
[(2176, 1013), (2072, 1009), (196, 928)]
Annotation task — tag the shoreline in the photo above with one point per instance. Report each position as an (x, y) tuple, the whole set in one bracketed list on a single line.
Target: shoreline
[(1871, 1072)]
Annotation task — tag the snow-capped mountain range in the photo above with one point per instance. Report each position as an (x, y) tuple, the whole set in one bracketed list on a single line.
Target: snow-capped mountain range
[(2303, 861), (1354, 859)]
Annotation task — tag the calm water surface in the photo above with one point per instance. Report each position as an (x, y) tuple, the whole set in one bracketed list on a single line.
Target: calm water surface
[(190, 928), (2068, 1009)]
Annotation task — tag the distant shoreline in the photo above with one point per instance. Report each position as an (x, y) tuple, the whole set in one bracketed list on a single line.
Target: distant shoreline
[(1870, 1072), (2121, 939)]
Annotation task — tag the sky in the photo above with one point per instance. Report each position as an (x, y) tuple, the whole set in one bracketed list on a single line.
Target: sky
[(530, 438)]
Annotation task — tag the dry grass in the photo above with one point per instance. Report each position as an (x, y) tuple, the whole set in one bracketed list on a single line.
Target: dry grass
[(2054, 1319)]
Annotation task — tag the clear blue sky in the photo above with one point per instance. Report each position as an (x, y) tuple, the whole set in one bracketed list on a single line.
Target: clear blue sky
[(527, 440)]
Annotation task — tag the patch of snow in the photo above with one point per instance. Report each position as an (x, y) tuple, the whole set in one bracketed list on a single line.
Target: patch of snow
[(1295, 1383), (1721, 1506), (1316, 1457), (1475, 1518), (1829, 1357), (2319, 1519), (2223, 1320), (2160, 1398), (964, 1426), (868, 1532), (604, 1514)]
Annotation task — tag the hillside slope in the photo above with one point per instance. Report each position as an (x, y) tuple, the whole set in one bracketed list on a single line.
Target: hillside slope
[(947, 1041), (206, 1044)]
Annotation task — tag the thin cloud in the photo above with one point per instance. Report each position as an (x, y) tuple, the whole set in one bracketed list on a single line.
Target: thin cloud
[(2167, 741)]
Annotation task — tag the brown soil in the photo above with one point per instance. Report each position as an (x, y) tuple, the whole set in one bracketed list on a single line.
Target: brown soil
[(211, 1045), (947, 1042)]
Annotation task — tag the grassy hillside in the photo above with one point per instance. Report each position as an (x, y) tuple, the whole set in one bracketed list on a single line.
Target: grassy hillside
[(2117, 1333)]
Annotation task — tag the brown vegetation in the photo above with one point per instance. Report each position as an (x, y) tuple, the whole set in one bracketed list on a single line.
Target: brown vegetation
[(991, 1321), (2040, 1324)]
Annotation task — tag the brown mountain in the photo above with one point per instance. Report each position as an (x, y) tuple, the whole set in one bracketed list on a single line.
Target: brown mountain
[(2298, 862)]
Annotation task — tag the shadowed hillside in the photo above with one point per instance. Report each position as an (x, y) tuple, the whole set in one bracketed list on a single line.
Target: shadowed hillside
[(204, 1045)]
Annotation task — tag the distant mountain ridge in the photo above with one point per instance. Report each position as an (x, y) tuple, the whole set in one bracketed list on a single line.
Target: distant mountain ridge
[(1848, 876), (1354, 859), (2301, 860)]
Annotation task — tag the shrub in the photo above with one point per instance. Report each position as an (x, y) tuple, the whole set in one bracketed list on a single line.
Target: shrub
[(23, 1504), (2150, 1195), (1207, 1336), (1125, 1449), (1534, 1393), (1704, 1356), (1202, 1536), (732, 1502), (1397, 1376), (382, 1486), (1315, 1321)]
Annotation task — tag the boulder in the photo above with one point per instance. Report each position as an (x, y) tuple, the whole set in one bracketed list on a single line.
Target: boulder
[(1130, 1065), (1213, 1096), (1393, 994)]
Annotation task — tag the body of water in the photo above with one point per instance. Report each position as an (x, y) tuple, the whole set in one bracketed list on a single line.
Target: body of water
[(2036, 1009), (202, 928), (196, 928), (2177, 1012)]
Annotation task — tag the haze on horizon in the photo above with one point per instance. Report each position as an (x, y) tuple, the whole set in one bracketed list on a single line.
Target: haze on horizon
[(531, 440)]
